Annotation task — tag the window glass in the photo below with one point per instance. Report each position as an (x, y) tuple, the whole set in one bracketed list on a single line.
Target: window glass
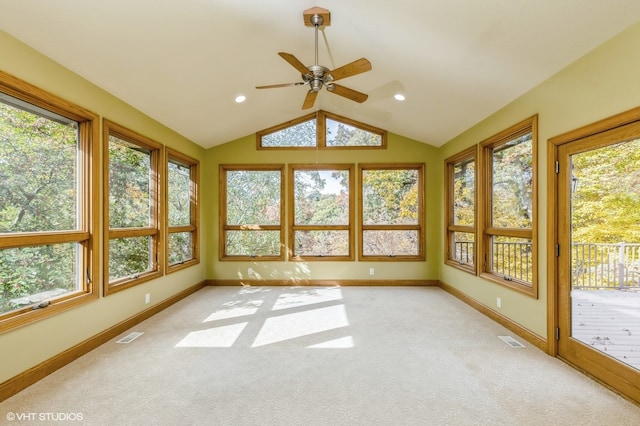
[(321, 243), (129, 184), (253, 197), (390, 197), (392, 211), (30, 275), (38, 170), (508, 249), (512, 183), (321, 197), (133, 253), (180, 198), (46, 171), (342, 134), (391, 243), (321, 130), (464, 193), (460, 199), (252, 212), (299, 135), (180, 247), (129, 257)]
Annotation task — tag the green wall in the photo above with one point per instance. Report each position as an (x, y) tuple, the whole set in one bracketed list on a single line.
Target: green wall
[(399, 149)]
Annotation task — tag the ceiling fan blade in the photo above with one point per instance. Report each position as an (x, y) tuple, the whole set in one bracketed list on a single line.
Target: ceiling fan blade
[(310, 99), (294, 62), (354, 95), (272, 86), (356, 67)]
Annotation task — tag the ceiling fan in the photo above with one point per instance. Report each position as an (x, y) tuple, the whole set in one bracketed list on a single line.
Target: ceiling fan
[(317, 76)]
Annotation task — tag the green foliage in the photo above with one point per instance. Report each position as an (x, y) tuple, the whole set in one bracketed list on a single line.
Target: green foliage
[(38, 193), (129, 257), (129, 185), (253, 200), (37, 172), (253, 197), (513, 184), (179, 194), (299, 135), (606, 194), (321, 197), (180, 247), (390, 197), (346, 135), (32, 270), (463, 193)]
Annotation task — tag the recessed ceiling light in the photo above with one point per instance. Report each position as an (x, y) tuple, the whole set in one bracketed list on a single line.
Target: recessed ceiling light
[(240, 99), (399, 97)]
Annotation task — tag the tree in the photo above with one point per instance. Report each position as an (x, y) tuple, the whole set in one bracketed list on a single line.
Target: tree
[(38, 181)]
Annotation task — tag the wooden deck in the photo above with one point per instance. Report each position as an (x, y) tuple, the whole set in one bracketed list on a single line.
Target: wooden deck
[(609, 321)]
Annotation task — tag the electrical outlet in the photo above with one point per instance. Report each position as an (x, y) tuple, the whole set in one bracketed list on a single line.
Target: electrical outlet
[(147, 298), (499, 302), (250, 271), (372, 271)]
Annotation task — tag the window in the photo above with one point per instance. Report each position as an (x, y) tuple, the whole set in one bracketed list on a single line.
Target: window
[(460, 207), (182, 210), (321, 212), (321, 130), (392, 212), (47, 171), (252, 211), (131, 209), (509, 211)]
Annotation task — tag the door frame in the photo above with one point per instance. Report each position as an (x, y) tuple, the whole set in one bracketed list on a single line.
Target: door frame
[(555, 226)]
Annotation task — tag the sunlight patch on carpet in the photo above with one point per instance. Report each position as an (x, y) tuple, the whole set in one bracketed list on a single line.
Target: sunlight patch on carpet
[(230, 310), (216, 337), (342, 343), (299, 324), (306, 297)]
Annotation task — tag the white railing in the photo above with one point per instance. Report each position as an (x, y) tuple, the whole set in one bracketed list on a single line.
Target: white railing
[(593, 265), (605, 265)]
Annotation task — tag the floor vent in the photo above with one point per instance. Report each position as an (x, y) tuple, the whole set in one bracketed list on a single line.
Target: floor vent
[(130, 337), (511, 341)]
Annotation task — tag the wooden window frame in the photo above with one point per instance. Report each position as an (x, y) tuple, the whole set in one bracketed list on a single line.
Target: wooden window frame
[(154, 230), (321, 132), (293, 227), (419, 227), (87, 208), (224, 227), (193, 227), (468, 155), (485, 195)]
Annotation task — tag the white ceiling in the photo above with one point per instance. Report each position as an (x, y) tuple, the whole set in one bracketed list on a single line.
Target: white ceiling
[(183, 62)]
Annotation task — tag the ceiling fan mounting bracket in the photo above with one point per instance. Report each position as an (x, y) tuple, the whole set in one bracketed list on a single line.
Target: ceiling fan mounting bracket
[(316, 15)]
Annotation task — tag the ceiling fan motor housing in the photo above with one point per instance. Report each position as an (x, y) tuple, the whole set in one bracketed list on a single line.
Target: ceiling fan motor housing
[(317, 76)]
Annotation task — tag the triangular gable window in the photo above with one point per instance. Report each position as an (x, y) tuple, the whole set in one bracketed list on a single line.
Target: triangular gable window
[(321, 130)]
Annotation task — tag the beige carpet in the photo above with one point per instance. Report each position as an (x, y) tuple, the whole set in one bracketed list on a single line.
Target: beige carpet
[(318, 356)]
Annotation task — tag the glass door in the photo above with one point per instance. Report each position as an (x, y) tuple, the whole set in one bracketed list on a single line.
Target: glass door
[(598, 227)]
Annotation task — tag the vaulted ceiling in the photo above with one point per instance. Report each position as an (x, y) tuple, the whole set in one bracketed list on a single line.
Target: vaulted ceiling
[(184, 62)]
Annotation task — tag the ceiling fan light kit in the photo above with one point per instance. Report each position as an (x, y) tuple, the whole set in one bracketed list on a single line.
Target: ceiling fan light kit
[(316, 76)]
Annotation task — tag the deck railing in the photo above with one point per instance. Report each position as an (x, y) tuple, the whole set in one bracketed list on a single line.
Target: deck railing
[(593, 265), (605, 265)]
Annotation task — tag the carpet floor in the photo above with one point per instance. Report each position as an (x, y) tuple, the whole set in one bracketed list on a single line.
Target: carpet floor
[(318, 356)]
